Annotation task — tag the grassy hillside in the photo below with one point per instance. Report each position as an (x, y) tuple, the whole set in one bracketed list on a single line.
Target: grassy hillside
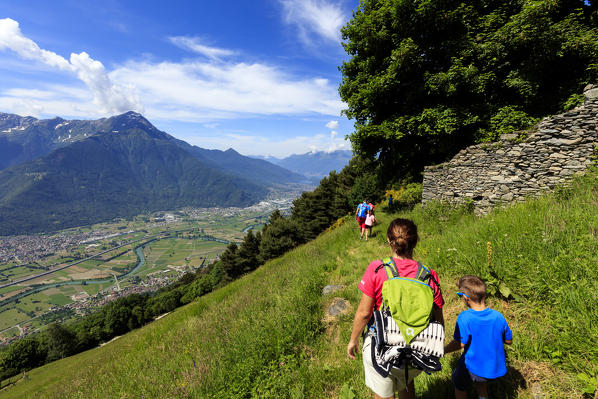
[(266, 335)]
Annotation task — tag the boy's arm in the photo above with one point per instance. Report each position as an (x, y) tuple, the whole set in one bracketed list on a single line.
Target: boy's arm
[(507, 334), (453, 346)]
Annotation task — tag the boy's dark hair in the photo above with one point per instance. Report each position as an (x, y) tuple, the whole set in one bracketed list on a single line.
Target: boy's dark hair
[(473, 286)]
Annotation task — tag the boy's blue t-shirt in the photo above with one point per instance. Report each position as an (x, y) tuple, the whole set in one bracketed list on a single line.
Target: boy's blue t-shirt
[(483, 332), (362, 210)]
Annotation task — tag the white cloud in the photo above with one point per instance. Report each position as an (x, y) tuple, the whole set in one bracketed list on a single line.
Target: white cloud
[(342, 145), (204, 91), (192, 91), (315, 17), (194, 44), (53, 100), (333, 134), (114, 98), (12, 39), (110, 97), (332, 125)]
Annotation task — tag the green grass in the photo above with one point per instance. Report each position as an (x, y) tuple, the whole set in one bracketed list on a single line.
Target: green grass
[(59, 299), (67, 289), (176, 252), (27, 305), (91, 289), (16, 273), (266, 336), (91, 264), (11, 317), (10, 289)]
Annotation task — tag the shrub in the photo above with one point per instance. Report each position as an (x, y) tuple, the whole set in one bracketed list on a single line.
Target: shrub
[(406, 196)]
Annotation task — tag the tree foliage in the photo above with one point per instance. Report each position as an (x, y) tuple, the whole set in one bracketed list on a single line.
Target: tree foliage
[(427, 77), (23, 355), (59, 342)]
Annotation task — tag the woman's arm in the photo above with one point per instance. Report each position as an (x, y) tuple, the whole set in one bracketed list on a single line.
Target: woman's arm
[(362, 316), (437, 313)]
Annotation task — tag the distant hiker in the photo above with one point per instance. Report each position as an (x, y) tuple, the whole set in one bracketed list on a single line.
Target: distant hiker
[(402, 238), (360, 215), (390, 201), (370, 219), (481, 331)]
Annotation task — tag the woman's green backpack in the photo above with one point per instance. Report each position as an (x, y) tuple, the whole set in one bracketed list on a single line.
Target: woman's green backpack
[(404, 333)]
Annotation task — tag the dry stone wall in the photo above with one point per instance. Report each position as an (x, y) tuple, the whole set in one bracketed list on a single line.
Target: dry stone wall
[(510, 169)]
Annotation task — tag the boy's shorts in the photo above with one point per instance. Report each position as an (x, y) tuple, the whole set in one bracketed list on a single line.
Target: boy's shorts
[(383, 386), (463, 378), (361, 222)]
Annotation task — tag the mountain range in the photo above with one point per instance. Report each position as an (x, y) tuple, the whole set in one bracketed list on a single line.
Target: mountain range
[(314, 165), (57, 173)]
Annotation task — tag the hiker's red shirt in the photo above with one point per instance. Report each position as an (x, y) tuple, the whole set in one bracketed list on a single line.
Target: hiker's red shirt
[(371, 282)]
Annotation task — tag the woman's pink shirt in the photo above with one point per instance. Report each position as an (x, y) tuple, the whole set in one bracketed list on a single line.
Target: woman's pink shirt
[(371, 282)]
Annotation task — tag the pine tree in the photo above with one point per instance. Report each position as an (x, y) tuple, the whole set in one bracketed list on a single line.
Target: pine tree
[(229, 261), (249, 252)]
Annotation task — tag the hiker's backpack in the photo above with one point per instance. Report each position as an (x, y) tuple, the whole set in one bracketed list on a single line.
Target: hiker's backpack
[(363, 210), (403, 333)]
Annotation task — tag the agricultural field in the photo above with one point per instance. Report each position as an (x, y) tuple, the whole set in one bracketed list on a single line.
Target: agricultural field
[(88, 260), (179, 253)]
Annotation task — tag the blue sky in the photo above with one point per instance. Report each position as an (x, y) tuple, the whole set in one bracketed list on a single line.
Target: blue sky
[(258, 76)]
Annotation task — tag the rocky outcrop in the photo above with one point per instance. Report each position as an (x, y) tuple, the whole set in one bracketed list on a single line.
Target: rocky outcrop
[(512, 168)]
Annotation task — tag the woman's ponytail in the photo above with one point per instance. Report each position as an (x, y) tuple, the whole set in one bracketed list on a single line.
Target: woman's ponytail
[(402, 236)]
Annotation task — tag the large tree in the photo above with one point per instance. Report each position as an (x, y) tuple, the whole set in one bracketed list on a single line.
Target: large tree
[(429, 77)]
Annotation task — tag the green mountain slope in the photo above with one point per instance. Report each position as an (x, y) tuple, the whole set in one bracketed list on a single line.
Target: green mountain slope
[(23, 139), (112, 175), (252, 169), (266, 335)]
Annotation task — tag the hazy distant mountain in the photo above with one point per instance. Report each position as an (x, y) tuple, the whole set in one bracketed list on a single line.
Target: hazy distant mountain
[(91, 171), (253, 169), (268, 158), (314, 165)]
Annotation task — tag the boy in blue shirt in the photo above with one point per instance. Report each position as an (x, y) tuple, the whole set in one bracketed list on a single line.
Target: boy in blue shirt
[(481, 331)]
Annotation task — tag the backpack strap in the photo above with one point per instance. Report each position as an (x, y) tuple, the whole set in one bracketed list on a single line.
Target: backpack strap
[(424, 274), (389, 265)]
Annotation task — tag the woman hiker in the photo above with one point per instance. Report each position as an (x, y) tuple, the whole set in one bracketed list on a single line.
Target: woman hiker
[(402, 238)]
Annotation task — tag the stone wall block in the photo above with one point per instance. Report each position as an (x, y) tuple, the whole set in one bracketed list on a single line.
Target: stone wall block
[(497, 173)]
